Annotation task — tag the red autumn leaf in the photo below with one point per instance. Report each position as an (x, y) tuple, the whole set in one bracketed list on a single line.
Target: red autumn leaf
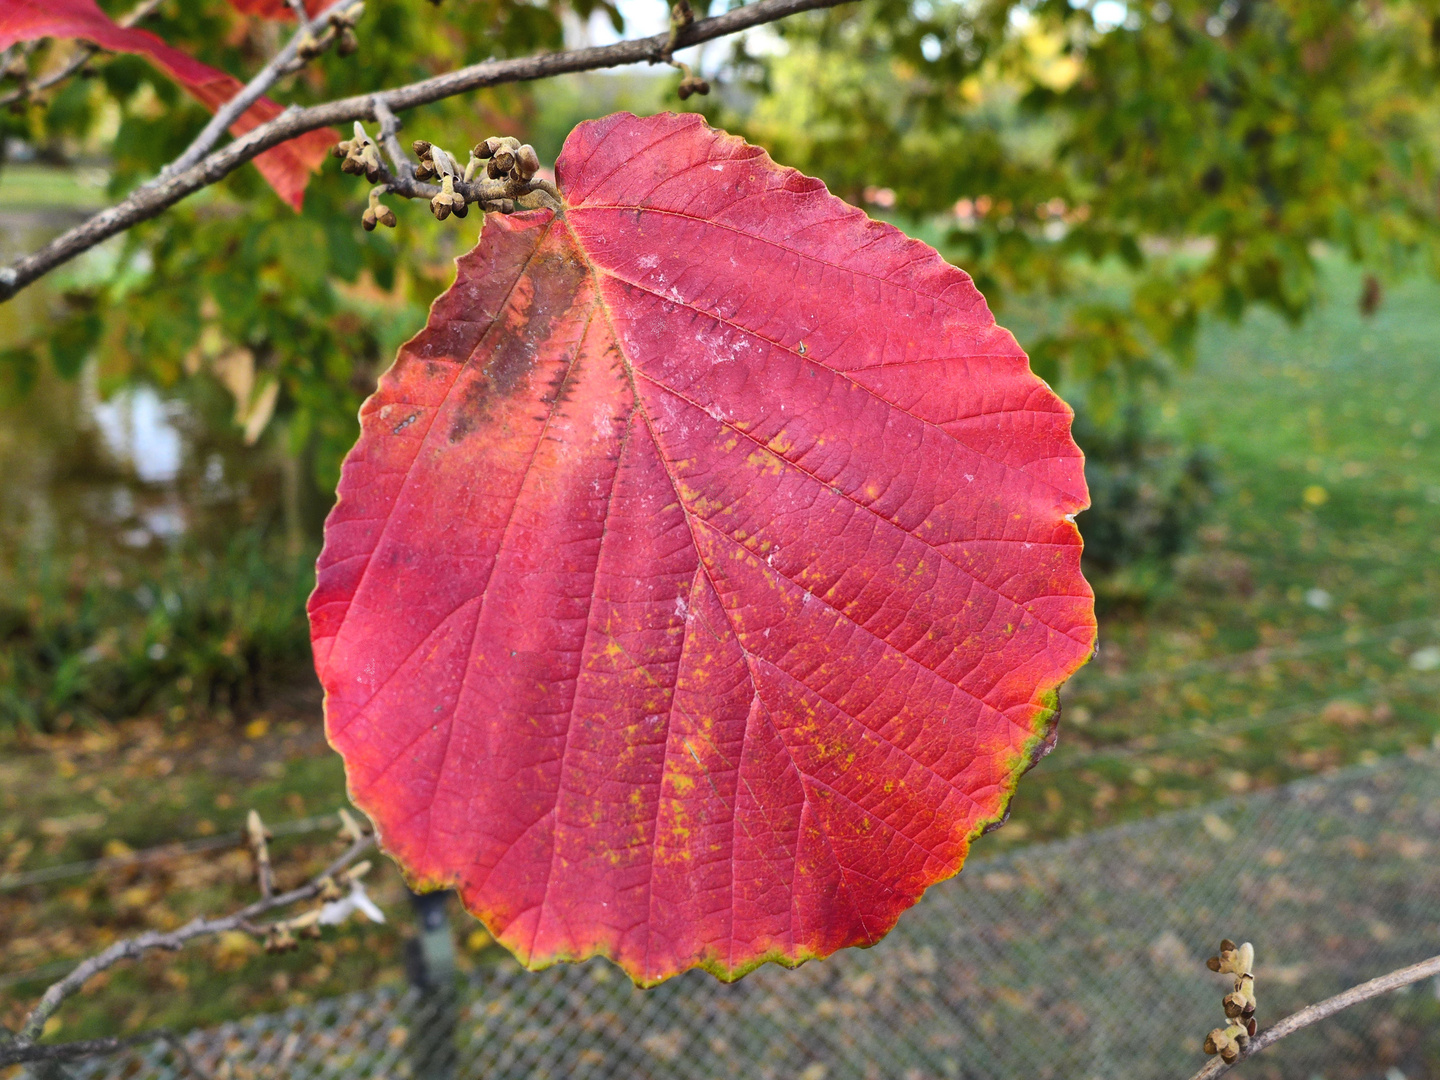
[(287, 167), (704, 574)]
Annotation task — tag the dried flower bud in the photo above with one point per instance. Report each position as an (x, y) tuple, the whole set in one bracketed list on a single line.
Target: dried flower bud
[(279, 939), (1233, 959), (367, 219), (692, 84), (349, 17), (347, 43), (448, 200), (503, 160), (309, 47), (527, 162), (421, 148), (374, 167), (386, 217)]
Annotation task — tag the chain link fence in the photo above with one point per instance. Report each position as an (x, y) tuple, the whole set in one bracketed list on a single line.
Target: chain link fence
[(1076, 960)]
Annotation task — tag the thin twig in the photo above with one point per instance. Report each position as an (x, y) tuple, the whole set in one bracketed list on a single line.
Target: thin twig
[(1320, 1010), (153, 199), (282, 63), (84, 1048), (83, 52), (134, 947), (389, 130)]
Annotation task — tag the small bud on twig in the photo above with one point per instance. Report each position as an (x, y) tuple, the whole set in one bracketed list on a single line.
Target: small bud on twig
[(527, 162), (350, 828), (279, 939), (443, 204), (256, 836), (1232, 1041), (692, 84), (377, 212)]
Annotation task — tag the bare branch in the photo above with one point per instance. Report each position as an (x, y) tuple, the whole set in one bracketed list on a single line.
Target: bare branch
[(83, 52), (504, 195), (282, 63), (1320, 1010), (390, 128), (153, 199), (75, 1051), (131, 948)]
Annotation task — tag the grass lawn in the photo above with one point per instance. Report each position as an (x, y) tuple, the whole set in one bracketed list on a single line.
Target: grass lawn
[(1301, 632), (1298, 636)]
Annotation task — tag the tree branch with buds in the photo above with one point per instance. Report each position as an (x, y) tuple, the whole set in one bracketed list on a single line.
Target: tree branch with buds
[(337, 886), (174, 184), (1239, 1041), (312, 38)]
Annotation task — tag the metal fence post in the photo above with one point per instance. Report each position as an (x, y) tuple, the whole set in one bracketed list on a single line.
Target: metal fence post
[(430, 965)]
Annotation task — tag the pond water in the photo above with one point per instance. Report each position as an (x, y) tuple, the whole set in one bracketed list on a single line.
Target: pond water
[(122, 475)]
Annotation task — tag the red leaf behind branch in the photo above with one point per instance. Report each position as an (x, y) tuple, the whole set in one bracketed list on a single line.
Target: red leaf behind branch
[(287, 167), (274, 9), (705, 572)]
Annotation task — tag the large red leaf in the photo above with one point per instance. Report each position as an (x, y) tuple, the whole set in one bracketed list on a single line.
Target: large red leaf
[(287, 167), (704, 574)]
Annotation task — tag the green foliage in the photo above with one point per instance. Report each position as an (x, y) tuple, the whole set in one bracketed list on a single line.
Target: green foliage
[(203, 630), (320, 304), (1208, 149), (1147, 495), (1209, 152)]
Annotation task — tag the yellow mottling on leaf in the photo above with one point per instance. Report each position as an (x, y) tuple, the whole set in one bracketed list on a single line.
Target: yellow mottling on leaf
[(765, 462)]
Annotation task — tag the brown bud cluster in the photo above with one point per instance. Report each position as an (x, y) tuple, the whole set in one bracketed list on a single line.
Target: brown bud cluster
[(360, 156), (507, 158), (339, 31), (279, 939), (692, 84), (377, 213), (448, 201), (1232, 1041), (427, 168)]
